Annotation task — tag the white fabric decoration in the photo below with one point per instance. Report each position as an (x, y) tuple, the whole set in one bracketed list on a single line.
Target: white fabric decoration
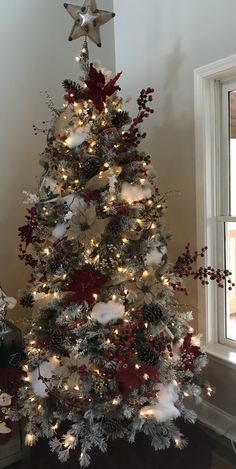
[(5, 399), (164, 409), (46, 371), (155, 256), (78, 136), (132, 193), (105, 312)]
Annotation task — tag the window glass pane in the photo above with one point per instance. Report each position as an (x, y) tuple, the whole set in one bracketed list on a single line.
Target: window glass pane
[(230, 236), (232, 104)]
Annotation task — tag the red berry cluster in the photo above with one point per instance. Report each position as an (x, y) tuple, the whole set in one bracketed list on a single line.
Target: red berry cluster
[(133, 136), (27, 236), (189, 353), (184, 268)]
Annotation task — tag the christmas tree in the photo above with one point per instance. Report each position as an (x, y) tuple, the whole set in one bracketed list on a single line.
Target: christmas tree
[(109, 354)]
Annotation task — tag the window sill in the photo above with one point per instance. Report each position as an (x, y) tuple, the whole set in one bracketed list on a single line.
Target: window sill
[(224, 354)]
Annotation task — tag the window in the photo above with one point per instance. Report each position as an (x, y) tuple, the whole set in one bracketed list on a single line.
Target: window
[(227, 206), (215, 132)]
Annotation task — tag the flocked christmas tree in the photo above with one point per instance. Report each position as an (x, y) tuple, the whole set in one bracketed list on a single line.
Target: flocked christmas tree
[(109, 354)]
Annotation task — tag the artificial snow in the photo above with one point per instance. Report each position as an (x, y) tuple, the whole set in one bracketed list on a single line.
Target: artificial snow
[(105, 312), (132, 193), (45, 370)]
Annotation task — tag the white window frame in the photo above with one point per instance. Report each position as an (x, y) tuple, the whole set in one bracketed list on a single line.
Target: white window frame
[(208, 147)]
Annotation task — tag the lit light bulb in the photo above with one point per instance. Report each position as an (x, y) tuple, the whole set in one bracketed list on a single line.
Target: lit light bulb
[(54, 427), (30, 439), (145, 274), (209, 391), (115, 401), (68, 440), (165, 281)]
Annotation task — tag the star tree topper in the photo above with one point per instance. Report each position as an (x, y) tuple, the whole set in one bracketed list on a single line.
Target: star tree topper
[(88, 20)]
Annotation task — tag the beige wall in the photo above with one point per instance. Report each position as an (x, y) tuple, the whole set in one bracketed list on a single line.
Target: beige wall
[(159, 43), (34, 54)]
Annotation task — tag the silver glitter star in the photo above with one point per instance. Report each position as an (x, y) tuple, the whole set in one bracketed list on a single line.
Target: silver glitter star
[(88, 20)]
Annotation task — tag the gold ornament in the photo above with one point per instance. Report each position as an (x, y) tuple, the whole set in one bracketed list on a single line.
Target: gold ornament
[(88, 20)]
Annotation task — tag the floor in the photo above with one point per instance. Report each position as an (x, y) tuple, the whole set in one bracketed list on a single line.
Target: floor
[(218, 463), (121, 455)]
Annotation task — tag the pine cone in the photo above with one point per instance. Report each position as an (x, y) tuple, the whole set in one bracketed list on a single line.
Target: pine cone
[(113, 427), (147, 355), (54, 265), (152, 313), (27, 300), (92, 166), (72, 88), (114, 226), (56, 342), (119, 119)]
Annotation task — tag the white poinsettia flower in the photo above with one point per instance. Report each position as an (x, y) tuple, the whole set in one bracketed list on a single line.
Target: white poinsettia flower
[(131, 193), (145, 290), (85, 225), (105, 312)]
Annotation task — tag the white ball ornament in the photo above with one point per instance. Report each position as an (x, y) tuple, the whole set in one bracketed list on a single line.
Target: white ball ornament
[(105, 312)]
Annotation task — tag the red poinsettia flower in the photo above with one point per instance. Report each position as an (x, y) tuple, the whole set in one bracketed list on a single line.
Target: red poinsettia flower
[(97, 89), (130, 378), (84, 285)]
